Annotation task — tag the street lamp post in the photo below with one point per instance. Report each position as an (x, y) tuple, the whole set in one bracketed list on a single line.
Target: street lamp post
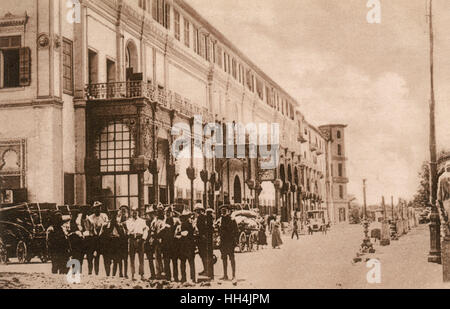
[(366, 246), (435, 233), (393, 222), (385, 237)]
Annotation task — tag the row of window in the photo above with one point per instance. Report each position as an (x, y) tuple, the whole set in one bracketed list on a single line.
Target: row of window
[(208, 49)]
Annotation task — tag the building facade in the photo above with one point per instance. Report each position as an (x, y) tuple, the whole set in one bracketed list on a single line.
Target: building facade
[(90, 94)]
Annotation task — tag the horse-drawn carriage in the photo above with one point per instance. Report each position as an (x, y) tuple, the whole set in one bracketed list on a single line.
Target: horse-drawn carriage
[(23, 231), (248, 222)]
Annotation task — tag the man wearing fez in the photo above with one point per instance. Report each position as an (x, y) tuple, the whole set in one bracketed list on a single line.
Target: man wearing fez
[(228, 231), (137, 233), (443, 195)]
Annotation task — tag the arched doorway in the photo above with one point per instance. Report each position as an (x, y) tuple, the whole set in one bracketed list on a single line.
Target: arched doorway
[(237, 190)]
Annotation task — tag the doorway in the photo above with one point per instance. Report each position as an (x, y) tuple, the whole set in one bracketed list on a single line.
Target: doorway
[(237, 190)]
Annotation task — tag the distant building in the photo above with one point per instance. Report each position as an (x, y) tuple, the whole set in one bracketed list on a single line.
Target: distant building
[(336, 156)]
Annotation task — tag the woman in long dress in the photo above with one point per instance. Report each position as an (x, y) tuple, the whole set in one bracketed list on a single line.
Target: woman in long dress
[(276, 233)]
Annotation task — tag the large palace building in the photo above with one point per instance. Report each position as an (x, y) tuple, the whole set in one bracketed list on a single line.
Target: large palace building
[(90, 92)]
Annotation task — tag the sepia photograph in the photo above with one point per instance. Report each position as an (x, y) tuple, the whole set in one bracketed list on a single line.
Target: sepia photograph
[(212, 147)]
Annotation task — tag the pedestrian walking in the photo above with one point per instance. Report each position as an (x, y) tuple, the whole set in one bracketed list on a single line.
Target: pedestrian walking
[(294, 228), (276, 233), (58, 245), (262, 237), (184, 233), (228, 231), (137, 232)]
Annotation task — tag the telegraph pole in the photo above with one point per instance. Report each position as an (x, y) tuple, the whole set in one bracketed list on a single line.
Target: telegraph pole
[(435, 233), (366, 246)]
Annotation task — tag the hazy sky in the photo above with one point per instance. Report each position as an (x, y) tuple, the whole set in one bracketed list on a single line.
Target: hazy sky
[(373, 77)]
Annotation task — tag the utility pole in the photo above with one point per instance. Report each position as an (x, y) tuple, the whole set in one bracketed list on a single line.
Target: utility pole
[(366, 246), (435, 233)]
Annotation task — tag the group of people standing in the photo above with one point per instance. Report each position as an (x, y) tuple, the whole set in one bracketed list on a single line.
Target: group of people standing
[(168, 239)]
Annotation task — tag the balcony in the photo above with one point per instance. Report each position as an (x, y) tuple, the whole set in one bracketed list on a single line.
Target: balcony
[(313, 146), (319, 151), (138, 89)]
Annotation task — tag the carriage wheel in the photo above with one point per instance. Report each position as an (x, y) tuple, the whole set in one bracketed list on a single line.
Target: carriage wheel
[(255, 241), (242, 242), (3, 253), (251, 242), (21, 252)]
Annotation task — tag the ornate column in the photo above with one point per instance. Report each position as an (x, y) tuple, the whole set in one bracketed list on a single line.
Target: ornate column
[(171, 168), (153, 168), (190, 171)]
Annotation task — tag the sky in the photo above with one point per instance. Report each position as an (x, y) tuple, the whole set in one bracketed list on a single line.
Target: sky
[(341, 69)]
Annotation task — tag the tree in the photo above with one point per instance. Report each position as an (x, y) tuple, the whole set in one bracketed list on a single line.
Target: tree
[(355, 214), (422, 197)]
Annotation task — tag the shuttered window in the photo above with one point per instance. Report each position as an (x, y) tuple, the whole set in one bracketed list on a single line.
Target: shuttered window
[(167, 16), (25, 66), (219, 56), (68, 66), (176, 17), (187, 36)]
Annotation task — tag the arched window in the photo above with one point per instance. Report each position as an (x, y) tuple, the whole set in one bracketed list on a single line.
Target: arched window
[(131, 57), (115, 147), (338, 134)]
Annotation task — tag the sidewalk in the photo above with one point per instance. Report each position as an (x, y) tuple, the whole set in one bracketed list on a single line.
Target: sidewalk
[(404, 265)]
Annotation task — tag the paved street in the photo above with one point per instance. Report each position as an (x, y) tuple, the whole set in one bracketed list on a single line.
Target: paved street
[(318, 261)]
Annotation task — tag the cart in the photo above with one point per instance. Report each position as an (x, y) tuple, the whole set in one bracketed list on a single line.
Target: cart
[(248, 225), (23, 232)]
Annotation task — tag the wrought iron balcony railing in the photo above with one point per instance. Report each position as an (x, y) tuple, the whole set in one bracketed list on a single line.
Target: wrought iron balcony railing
[(139, 89)]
